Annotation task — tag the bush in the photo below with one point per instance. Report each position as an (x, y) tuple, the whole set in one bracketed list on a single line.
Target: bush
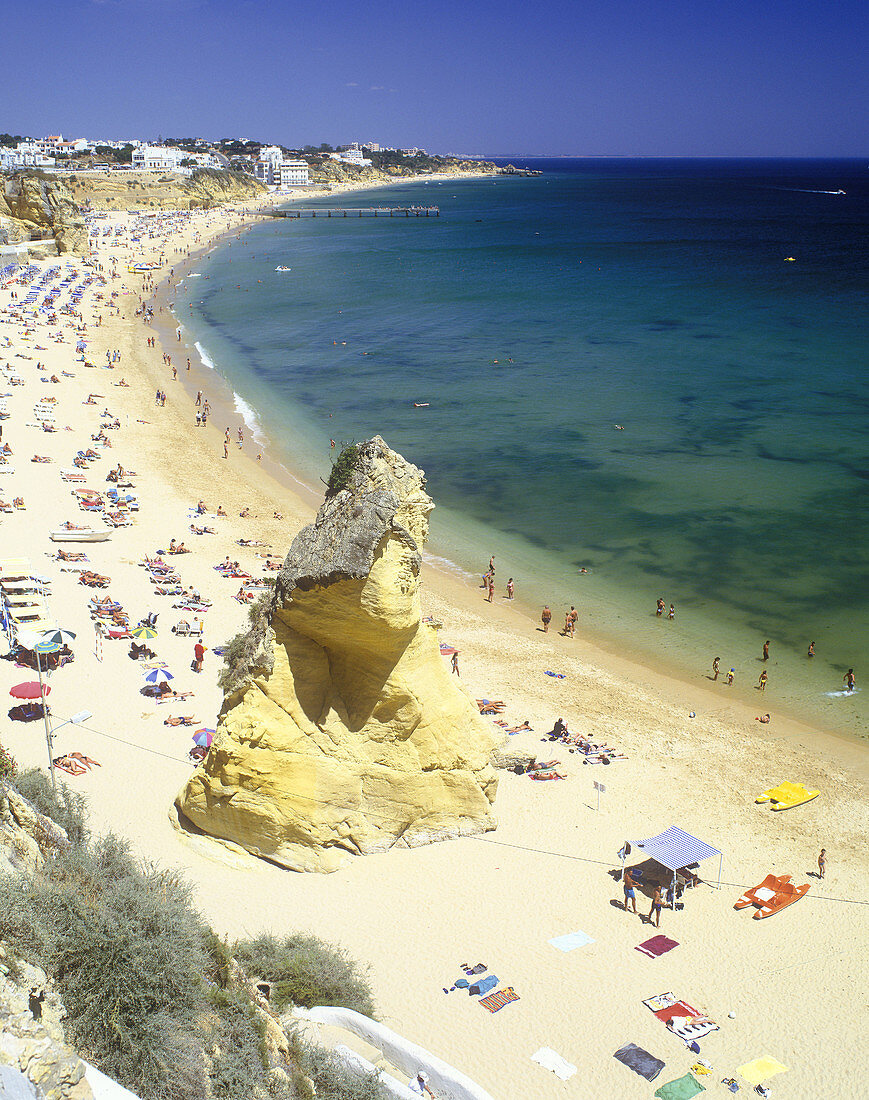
[(8, 767), (303, 970), (342, 470), (127, 952), (65, 807), (333, 1080)]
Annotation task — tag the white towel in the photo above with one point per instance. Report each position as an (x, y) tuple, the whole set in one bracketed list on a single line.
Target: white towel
[(550, 1060)]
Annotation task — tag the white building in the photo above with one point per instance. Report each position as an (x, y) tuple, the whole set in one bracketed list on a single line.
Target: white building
[(157, 158), (7, 160), (294, 173), (351, 156)]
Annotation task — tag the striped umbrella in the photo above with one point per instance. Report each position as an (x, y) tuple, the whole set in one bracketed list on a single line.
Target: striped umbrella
[(158, 676), (46, 647), (203, 738), (144, 631), (59, 637)]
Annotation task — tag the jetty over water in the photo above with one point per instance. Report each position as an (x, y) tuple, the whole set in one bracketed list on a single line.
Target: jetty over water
[(355, 212)]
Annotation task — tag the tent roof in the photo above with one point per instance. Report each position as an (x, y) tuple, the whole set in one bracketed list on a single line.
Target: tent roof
[(675, 848)]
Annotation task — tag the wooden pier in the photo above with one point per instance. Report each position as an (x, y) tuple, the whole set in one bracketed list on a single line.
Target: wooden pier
[(355, 212)]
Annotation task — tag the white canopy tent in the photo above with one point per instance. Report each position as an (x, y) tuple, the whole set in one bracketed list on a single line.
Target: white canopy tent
[(675, 849)]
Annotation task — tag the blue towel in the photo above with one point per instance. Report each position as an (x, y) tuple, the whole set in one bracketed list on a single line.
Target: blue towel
[(483, 985)]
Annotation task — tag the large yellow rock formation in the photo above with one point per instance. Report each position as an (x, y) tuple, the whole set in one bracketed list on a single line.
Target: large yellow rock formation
[(342, 730)]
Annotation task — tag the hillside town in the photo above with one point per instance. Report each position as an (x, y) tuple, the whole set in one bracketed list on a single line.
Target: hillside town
[(276, 166)]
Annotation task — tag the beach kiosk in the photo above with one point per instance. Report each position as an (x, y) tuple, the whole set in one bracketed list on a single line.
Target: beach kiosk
[(677, 850)]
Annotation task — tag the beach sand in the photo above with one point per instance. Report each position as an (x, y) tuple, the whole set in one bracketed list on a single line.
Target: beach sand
[(794, 983)]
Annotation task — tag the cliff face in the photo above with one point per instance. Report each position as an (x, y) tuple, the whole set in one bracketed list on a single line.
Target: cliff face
[(36, 209), (342, 731), (151, 190), (335, 171)]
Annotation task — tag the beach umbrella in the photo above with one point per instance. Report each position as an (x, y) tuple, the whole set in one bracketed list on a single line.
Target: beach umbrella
[(59, 637), (158, 676), (145, 631), (203, 738), (30, 690)]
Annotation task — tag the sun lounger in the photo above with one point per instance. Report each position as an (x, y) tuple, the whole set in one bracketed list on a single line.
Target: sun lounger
[(787, 795)]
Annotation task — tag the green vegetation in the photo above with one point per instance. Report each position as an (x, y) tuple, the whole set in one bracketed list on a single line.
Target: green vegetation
[(153, 996), (65, 807), (342, 469), (8, 767), (302, 970)]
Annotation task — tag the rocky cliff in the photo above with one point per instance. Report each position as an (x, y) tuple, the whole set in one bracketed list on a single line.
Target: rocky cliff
[(35, 208), (336, 171), (342, 730), (149, 190)]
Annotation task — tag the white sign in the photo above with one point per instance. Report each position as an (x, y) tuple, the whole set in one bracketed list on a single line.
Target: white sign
[(599, 787)]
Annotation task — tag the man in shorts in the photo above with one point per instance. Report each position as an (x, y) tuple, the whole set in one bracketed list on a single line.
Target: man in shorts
[(630, 891)]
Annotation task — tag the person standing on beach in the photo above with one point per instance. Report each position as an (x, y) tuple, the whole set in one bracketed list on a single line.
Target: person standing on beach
[(822, 863), (572, 616), (546, 618), (630, 892), (671, 614), (716, 665), (765, 651), (455, 662), (761, 683), (730, 676), (198, 656), (491, 594), (656, 907), (510, 589), (492, 565), (659, 611), (849, 680)]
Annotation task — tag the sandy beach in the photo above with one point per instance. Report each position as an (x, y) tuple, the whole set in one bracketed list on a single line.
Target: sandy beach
[(788, 987)]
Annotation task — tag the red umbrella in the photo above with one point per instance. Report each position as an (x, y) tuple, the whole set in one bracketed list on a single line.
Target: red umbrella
[(30, 690)]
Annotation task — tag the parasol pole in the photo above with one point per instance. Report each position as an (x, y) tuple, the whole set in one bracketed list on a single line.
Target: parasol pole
[(45, 719)]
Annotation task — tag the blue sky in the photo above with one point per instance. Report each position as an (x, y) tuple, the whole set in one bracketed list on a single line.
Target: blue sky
[(658, 77)]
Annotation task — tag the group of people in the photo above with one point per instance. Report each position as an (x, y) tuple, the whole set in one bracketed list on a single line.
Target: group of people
[(489, 583), (661, 608)]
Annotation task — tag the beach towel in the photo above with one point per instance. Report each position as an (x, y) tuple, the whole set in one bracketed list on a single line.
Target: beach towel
[(656, 946), (557, 675), (639, 1060), (550, 1060), (571, 941), (760, 1069), (681, 1089), (446, 650), (483, 985), (496, 1001)]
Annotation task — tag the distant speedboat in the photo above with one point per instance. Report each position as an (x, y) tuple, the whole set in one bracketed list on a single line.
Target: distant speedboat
[(282, 268), (840, 192)]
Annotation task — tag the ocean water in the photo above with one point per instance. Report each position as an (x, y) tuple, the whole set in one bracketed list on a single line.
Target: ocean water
[(624, 374)]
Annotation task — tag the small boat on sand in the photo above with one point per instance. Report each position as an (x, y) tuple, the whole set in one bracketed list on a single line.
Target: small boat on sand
[(772, 895), (71, 533)]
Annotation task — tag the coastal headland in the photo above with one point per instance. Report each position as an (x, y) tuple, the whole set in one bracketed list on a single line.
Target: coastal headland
[(788, 987)]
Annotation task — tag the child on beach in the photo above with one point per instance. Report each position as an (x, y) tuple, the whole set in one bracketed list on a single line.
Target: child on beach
[(822, 863)]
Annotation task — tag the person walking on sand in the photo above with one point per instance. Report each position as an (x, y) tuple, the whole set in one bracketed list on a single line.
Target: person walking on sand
[(659, 611), (849, 680), (655, 911), (765, 651), (510, 589), (630, 891), (455, 662), (671, 614), (730, 676), (761, 683), (546, 618), (822, 863), (716, 667)]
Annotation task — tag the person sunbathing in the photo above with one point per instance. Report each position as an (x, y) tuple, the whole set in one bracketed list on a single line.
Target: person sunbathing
[(68, 765), (181, 720), (519, 729), (763, 718)]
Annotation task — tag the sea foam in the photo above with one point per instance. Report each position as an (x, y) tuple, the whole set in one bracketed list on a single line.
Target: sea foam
[(207, 361), (250, 418)]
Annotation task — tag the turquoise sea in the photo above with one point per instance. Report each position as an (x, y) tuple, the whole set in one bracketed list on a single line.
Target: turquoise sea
[(534, 316)]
